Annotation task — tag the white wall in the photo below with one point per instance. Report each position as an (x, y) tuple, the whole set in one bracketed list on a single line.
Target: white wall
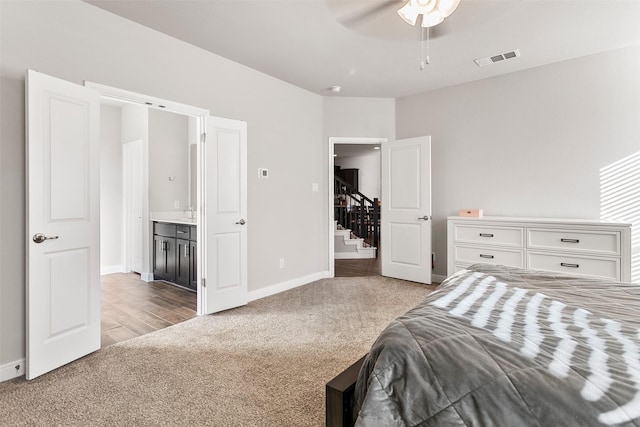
[(168, 157), (110, 190), (359, 117), (75, 41), (368, 166), (531, 143)]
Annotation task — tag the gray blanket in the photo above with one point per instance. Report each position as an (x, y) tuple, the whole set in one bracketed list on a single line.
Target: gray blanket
[(498, 346)]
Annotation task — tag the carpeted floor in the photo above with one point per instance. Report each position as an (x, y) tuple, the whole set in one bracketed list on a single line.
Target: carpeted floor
[(265, 364)]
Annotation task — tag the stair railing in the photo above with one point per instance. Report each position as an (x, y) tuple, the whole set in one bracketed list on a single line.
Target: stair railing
[(357, 212)]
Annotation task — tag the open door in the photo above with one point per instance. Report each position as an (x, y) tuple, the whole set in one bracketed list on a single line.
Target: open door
[(225, 213), (406, 209), (63, 223)]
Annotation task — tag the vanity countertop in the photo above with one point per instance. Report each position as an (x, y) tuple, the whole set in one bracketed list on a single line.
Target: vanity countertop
[(184, 221), (172, 218)]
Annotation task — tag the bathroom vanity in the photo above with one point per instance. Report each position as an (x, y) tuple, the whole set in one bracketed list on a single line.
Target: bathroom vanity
[(174, 252)]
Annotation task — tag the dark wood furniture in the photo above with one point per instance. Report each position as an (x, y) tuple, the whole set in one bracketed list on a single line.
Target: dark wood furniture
[(174, 253), (339, 395)]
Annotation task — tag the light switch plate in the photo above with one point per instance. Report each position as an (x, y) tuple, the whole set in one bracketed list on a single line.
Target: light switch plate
[(314, 186)]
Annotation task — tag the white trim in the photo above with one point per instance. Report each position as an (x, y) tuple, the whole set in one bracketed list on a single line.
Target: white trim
[(332, 141), (118, 94), (147, 277), (285, 286), (8, 371), (362, 253), (110, 269)]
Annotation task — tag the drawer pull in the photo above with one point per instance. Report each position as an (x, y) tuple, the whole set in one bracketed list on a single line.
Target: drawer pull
[(486, 235), (486, 256), (570, 240), (565, 264)]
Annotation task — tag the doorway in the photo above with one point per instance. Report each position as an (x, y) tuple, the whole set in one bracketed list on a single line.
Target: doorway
[(140, 149), (353, 153)]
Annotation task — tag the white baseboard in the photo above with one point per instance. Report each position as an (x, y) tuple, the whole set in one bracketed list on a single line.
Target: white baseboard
[(8, 371), (110, 269), (355, 255), (146, 277), (285, 286)]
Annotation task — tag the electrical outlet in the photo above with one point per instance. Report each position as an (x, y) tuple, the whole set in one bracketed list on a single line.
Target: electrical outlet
[(281, 262), (176, 204)]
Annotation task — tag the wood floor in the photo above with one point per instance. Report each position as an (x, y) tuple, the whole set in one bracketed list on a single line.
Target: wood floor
[(358, 267), (131, 307)]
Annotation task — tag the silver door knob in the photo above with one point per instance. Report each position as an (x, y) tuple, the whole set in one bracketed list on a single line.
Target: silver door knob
[(425, 218), (39, 237), (241, 222)]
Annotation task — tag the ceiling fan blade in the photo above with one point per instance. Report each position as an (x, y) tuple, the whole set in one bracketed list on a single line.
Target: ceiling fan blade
[(370, 12)]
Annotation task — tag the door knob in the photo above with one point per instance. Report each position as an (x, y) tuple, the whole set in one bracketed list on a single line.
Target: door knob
[(39, 237), (241, 222), (425, 218)]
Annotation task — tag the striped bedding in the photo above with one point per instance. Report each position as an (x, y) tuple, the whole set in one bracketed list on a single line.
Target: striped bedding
[(499, 346)]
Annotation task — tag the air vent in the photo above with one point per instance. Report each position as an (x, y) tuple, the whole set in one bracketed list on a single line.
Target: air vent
[(497, 58)]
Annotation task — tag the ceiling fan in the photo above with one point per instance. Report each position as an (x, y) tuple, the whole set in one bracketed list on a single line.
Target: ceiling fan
[(388, 19)]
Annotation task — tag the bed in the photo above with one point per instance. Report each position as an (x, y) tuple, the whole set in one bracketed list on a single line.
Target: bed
[(500, 346)]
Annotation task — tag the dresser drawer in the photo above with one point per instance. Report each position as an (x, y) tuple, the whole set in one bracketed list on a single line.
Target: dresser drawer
[(490, 235), (575, 265), (596, 242), (471, 255)]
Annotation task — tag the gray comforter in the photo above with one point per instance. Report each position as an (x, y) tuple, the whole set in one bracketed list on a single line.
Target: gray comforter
[(498, 346)]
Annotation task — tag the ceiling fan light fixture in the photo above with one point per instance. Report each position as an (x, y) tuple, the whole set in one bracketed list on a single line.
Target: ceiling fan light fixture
[(408, 13), (433, 11), (432, 19)]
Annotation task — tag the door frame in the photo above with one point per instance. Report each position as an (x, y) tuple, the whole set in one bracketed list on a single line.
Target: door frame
[(200, 114), (332, 142)]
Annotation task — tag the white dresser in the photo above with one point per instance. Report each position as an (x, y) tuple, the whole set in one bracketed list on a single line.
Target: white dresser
[(587, 247)]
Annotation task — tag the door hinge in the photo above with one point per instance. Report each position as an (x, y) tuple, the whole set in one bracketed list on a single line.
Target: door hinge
[(203, 137), (204, 282)]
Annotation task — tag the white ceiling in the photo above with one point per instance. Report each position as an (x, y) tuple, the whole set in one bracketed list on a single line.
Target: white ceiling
[(363, 46)]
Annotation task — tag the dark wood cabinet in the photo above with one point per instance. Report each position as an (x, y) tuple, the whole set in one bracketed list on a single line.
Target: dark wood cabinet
[(193, 270), (183, 263), (164, 257), (174, 254)]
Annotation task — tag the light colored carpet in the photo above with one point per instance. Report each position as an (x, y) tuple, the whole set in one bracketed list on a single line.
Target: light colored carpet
[(265, 364)]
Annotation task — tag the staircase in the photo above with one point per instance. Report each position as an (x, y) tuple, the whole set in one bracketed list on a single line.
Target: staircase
[(357, 222), (349, 246)]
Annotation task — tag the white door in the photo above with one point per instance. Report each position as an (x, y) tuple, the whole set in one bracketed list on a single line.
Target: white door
[(63, 223), (132, 154), (225, 215), (406, 209)]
